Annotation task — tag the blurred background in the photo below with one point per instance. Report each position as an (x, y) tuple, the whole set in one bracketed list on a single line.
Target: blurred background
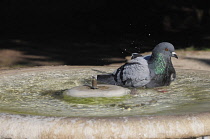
[(97, 32)]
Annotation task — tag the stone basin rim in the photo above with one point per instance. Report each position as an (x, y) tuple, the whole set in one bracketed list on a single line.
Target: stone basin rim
[(44, 68), (64, 67), (179, 126)]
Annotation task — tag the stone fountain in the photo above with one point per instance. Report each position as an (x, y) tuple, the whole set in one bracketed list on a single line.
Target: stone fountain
[(33, 104)]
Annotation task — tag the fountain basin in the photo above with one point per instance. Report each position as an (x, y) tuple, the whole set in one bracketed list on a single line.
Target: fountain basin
[(27, 111)]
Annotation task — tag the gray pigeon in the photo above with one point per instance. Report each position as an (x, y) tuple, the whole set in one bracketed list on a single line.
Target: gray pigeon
[(151, 71)]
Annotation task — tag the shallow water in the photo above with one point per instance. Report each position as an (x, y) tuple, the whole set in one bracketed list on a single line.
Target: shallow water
[(39, 93)]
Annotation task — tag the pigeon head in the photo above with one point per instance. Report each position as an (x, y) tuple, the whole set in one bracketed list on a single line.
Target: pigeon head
[(165, 48)]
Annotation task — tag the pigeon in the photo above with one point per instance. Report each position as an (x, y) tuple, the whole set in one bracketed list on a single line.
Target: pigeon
[(149, 71), (162, 72)]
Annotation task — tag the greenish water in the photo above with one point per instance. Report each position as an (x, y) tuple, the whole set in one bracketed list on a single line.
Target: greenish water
[(40, 93), (94, 101)]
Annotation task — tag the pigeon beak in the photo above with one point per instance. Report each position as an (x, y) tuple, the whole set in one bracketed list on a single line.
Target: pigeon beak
[(174, 55)]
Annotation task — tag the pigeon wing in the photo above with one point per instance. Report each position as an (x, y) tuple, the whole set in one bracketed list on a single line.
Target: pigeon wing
[(134, 73)]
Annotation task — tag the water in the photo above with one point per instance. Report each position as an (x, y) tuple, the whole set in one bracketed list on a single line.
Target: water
[(38, 92)]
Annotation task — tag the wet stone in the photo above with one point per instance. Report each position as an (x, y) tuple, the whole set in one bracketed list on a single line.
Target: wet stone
[(101, 91)]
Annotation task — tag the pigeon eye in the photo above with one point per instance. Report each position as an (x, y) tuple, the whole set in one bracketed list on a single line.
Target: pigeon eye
[(166, 49)]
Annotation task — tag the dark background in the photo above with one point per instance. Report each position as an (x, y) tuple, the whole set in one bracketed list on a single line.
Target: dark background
[(99, 32)]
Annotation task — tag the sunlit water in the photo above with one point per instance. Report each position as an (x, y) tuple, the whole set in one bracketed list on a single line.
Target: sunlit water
[(39, 93)]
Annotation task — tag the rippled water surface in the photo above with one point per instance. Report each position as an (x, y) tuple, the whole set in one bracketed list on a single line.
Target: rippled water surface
[(39, 93)]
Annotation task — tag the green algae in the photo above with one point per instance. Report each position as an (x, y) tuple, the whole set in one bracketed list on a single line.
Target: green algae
[(94, 100), (58, 94)]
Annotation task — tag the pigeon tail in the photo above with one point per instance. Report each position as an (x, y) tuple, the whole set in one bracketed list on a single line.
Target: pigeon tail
[(106, 79)]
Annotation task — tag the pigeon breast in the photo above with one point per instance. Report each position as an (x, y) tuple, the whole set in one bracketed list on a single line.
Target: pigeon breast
[(161, 68)]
